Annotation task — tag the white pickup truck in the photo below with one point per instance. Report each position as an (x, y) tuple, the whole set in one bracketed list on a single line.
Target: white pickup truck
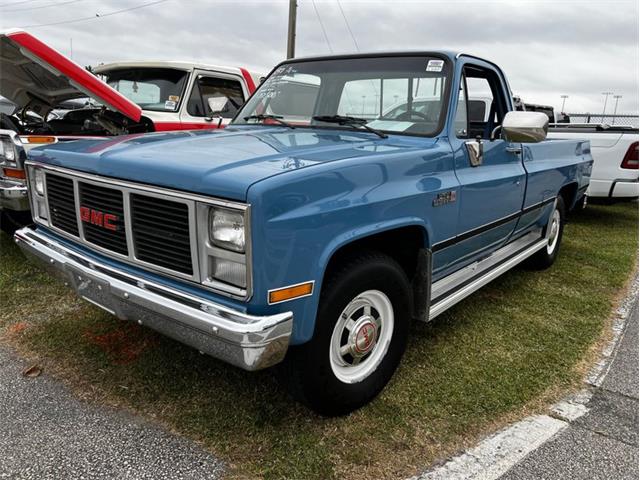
[(615, 155), (120, 98)]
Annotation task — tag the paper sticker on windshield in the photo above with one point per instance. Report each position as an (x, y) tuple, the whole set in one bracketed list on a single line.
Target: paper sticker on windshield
[(435, 65), (174, 98), (169, 105)]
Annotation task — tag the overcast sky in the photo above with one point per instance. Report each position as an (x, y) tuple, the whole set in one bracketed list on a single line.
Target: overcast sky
[(547, 48)]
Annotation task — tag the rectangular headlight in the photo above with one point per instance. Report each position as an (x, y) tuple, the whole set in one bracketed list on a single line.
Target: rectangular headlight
[(7, 150), (229, 271), (36, 193), (227, 229), (224, 247), (38, 181)]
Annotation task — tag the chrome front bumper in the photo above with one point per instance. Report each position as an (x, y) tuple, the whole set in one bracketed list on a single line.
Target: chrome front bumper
[(247, 341), (13, 195)]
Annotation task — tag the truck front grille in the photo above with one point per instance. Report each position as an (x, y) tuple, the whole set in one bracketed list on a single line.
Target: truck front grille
[(62, 204), (109, 213), (161, 232), (103, 223)]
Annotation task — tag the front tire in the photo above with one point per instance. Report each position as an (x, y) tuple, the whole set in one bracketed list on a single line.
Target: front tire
[(545, 257), (360, 335)]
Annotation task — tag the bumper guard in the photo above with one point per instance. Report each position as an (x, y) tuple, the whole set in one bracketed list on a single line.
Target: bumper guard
[(13, 195), (247, 341)]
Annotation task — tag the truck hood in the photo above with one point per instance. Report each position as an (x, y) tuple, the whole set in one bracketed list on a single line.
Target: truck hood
[(222, 163), (33, 73)]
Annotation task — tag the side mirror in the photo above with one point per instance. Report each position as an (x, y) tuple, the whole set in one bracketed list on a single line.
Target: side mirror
[(525, 127)]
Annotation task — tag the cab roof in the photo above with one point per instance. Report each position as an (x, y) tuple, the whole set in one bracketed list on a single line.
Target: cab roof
[(175, 64)]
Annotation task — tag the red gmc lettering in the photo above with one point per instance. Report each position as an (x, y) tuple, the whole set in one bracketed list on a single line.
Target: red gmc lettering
[(84, 214), (109, 220), (96, 218)]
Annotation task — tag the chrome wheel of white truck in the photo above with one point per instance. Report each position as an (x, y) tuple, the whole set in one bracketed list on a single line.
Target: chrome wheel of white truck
[(360, 335)]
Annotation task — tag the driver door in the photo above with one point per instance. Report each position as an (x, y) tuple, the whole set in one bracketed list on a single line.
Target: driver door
[(491, 191), (224, 93)]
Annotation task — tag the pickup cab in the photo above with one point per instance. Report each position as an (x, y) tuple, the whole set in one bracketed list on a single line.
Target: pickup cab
[(46, 89), (303, 234)]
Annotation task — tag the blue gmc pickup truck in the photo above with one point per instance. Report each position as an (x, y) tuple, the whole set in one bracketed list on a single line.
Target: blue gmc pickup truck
[(350, 195)]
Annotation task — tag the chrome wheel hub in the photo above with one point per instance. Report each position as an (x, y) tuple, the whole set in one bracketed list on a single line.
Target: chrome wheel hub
[(362, 339), (361, 336)]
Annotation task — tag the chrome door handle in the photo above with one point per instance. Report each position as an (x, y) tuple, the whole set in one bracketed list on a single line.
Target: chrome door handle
[(516, 150)]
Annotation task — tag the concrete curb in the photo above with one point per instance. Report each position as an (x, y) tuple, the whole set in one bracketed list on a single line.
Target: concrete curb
[(496, 454)]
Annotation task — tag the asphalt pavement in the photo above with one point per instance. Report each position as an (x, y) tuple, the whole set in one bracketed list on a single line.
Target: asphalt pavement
[(603, 443), (46, 433)]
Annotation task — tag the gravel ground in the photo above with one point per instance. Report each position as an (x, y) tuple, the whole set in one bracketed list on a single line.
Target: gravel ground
[(45, 433)]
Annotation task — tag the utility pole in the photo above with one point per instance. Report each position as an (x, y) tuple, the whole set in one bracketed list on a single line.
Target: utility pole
[(564, 99), (291, 34), (606, 97), (615, 109)]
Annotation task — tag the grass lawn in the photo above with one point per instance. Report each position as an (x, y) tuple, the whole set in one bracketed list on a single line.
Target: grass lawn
[(520, 342)]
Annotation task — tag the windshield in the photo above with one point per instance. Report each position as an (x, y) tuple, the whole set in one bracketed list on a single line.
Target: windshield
[(158, 89), (403, 94)]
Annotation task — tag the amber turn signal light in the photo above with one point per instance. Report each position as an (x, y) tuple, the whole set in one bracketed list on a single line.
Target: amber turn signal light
[(39, 139), (289, 293), (14, 173)]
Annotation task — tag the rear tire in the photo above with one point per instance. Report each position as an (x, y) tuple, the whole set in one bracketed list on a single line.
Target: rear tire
[(546, 256), (360, 335)]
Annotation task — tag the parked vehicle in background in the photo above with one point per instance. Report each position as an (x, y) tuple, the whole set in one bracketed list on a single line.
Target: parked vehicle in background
[(548, 110), (181, 95), (615, 156), (302, 234), (614, 149), (116, 99)]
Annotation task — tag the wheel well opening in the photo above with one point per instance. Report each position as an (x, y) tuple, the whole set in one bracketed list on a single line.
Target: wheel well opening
[(568, 194), (401, 244)]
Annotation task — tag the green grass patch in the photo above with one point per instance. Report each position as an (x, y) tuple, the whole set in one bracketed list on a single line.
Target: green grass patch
[(519, 342)]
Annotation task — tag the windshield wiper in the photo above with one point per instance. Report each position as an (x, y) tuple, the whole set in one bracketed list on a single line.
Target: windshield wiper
[(276, 118), (354, 122)]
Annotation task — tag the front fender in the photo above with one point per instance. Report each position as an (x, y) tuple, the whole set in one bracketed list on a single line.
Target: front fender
[(300, 219)]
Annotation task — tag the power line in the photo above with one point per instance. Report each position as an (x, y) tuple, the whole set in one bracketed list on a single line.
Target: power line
[(42, 6), (17, 3), (348, 26), (355, 42), (97, 15), (326, 37)]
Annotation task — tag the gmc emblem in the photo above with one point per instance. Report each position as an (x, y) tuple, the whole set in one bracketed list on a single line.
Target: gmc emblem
[(101, 219)]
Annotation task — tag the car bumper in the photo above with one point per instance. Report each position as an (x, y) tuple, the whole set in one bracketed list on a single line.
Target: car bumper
[(13, 195), (619, 188), (247, 341)]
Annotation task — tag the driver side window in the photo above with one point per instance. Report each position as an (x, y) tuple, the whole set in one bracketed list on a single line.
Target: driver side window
[(225, 94), (486, 104), (461, 121)]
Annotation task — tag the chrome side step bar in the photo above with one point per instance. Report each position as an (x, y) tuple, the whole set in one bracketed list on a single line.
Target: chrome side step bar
[(459, 285)]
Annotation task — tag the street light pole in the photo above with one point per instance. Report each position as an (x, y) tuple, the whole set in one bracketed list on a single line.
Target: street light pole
[(291, 33), (615, 108), (606, 97), (564, 99)]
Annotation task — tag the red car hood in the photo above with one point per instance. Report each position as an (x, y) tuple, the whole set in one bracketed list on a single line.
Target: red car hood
[(33, 73)]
